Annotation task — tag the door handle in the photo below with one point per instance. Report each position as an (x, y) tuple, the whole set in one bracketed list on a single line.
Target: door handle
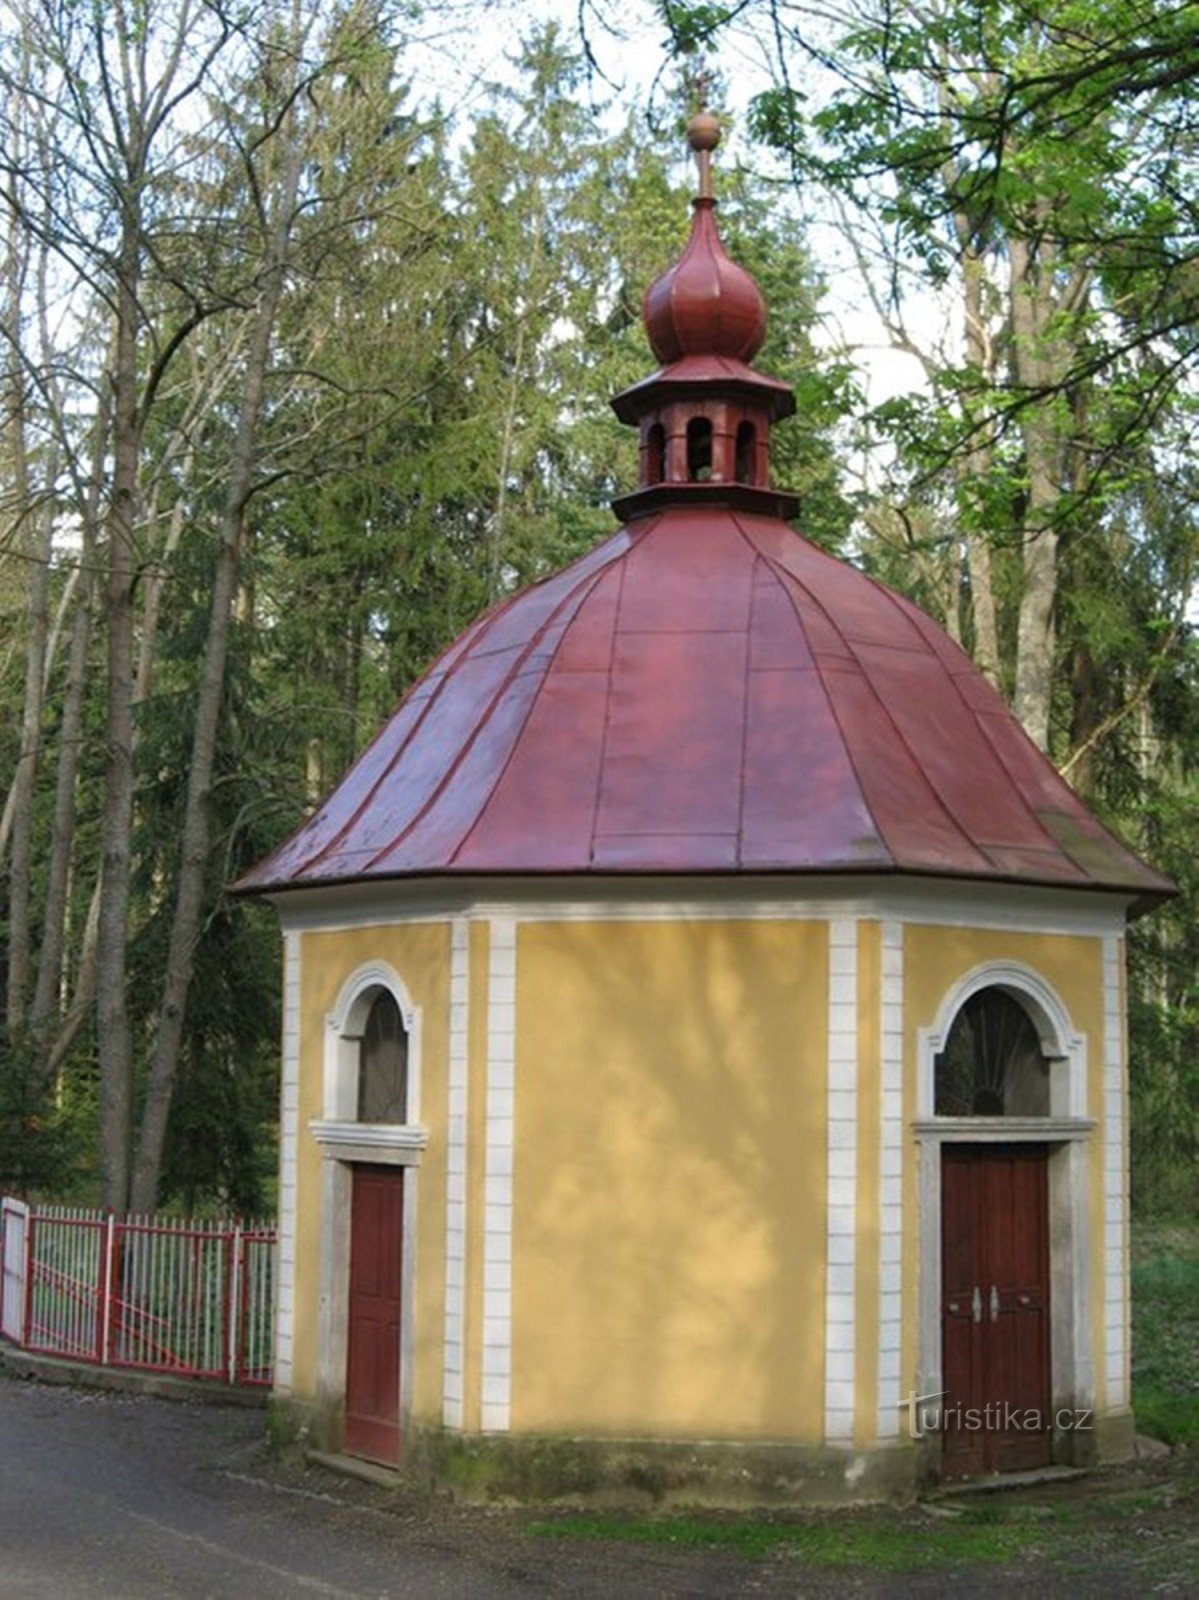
[(994, 1304), (976, 1305)]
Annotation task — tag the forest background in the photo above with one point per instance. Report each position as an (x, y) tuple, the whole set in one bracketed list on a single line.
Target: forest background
[(302, 366)]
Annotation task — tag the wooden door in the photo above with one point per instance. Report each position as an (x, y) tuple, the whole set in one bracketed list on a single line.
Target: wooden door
[(995, 1308), (373, 1342)]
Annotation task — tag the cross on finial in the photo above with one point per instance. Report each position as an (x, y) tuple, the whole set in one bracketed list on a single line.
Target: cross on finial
[(703, 132)]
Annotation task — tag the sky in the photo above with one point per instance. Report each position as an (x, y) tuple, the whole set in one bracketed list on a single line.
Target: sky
[(469, 46), (473, 44)]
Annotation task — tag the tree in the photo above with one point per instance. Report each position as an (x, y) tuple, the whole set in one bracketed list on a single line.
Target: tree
[(315, 400), (168, 184), (974, 148), (1033, 171)]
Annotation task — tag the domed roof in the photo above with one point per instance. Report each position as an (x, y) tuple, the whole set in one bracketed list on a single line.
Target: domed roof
[(706, 692)]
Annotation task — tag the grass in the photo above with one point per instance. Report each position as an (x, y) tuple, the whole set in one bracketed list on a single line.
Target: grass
[(1165, 1331), (983, 1534), (1165, 1284)]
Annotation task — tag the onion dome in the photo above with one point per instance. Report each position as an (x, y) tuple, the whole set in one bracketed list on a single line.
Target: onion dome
[(705, 693), (705, 304)]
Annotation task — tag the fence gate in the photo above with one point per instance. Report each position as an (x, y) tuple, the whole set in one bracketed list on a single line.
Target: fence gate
[(196, 1299), (14, 1230)]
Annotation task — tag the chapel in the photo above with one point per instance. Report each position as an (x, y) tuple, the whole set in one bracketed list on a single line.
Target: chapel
[(704, 1057)]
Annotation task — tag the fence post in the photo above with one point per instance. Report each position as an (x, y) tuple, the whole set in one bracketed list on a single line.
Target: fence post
[(27, 1308), (233, 1302), (11, 1316), (104, 1320)]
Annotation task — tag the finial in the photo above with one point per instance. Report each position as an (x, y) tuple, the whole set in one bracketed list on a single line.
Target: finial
[(703, 133), (705, 304)]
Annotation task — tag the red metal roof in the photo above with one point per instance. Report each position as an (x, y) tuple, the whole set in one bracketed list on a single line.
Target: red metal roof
[(706, 692)]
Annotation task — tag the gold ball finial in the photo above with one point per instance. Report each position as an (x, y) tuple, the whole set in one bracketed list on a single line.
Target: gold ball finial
[(703, 135), (703, 131)]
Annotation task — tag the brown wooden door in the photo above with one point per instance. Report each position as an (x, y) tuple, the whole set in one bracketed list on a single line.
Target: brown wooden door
[(373, 1343), (995, 1308)]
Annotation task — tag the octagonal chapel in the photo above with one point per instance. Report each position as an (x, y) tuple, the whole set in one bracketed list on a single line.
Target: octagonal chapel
[(704, 1062)]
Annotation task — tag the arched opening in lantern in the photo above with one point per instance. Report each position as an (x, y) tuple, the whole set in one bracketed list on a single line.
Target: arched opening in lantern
[(699, 450), (655, 454), (745, 468)]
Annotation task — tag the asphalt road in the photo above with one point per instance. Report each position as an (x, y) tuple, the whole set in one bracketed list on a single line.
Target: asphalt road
[(123, 1496)]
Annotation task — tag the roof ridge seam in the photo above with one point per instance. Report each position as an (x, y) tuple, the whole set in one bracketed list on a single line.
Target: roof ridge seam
[(305, 822), (921, 621), (603, 750), (900, 604), (480, 627), (596, 579), (886, 711), (745, 676), (388, 769), (776, 568), (1057, 846), (468, 744)]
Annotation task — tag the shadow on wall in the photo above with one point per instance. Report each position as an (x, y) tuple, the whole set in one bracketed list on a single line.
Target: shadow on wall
[(671, 1179)]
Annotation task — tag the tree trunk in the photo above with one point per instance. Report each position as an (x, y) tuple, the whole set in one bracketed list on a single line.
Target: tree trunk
[(1084, 719), (38, 545), (189, 901), (112, 1016), (70, 749), (973, 466), (1039, 366), (33, 532), (516, 379), (62, 828)]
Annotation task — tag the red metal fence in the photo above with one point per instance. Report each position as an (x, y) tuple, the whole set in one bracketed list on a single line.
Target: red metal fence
[(196, 1299)]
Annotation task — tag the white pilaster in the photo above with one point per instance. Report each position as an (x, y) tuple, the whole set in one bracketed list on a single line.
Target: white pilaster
[(289, 1132), (890, 1300), (839, 1349), (1115, 1183), (497, 1181), (456, 1154)]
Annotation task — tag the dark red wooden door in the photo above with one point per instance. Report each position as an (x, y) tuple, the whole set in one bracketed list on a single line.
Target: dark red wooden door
[(373, 1344), (995, 1308)]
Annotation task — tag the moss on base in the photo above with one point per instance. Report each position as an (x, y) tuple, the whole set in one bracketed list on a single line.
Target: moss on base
[(288, 1425), (639, 1473), (645, 1473), (1115, 1437)]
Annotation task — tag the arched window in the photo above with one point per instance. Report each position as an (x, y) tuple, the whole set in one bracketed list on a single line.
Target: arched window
[(992, 1064), (746, 468), (699, 449), (655, 454), (383, 1063)]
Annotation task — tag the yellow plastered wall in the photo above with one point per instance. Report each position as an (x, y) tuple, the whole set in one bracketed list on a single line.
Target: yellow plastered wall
[(670, 1179), (420, 954), (935, 960)]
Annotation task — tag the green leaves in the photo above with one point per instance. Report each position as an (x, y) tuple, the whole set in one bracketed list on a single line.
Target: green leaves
[(693, 26)]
